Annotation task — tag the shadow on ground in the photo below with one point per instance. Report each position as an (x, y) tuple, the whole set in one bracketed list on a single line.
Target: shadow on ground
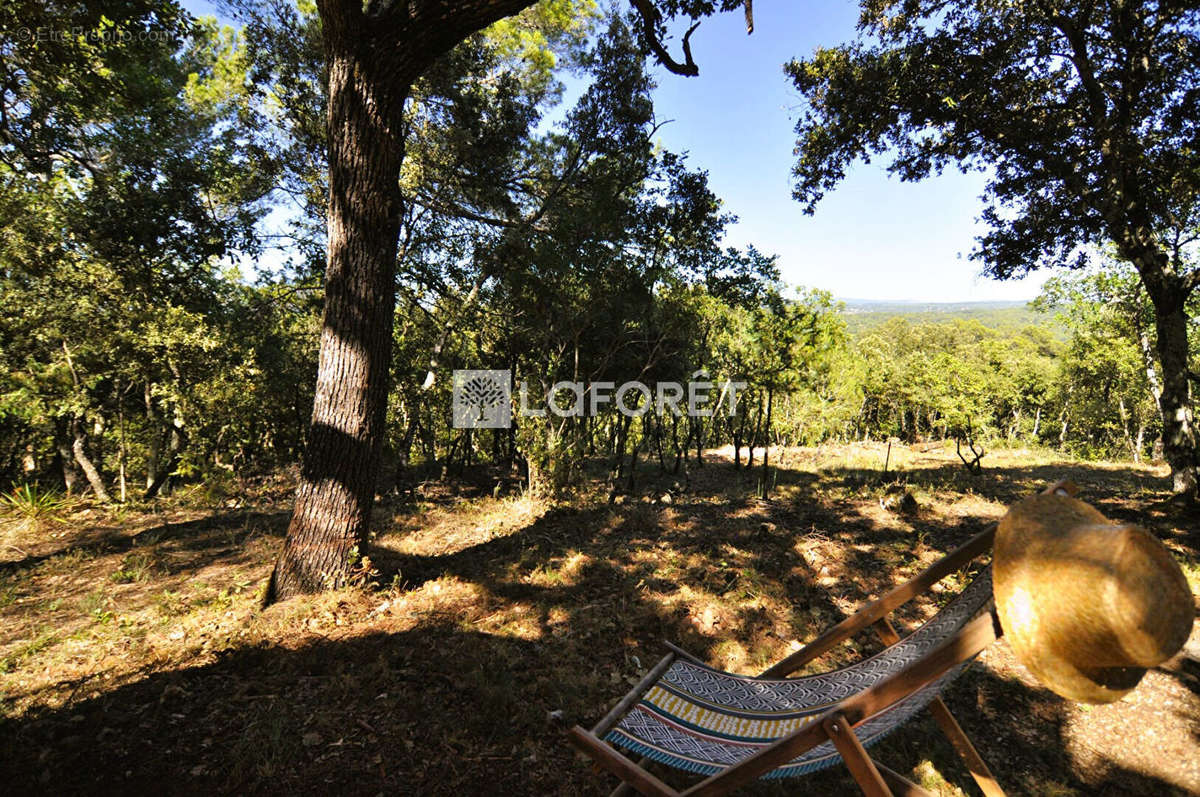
[(443, 711), (203, 537), (565, 613)]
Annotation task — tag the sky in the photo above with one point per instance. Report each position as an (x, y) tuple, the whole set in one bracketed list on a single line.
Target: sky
[(872, 237)]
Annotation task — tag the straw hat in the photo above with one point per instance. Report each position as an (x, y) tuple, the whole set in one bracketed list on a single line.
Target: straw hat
[(1087, 604)]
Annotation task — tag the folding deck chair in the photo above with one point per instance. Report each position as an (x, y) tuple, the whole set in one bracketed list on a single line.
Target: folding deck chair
[(736, 728)]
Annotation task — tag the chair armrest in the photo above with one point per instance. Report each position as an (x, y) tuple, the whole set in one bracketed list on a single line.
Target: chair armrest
[(968, 642), (878, 609), (881, 607)]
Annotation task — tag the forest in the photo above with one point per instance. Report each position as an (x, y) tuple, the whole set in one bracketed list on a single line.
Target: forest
[(243, 257), (144, 350), (219, 393)]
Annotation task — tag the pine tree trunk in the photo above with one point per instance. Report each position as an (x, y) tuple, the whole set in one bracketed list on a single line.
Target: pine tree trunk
[(373, 53), (336, 492)]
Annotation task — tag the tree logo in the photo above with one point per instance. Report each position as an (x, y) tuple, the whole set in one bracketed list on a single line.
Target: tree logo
[(482, 399)]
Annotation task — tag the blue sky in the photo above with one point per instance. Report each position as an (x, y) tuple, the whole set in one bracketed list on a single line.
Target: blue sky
[(873, 237)]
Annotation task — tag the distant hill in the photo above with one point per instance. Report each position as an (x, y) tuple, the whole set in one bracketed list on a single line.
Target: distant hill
[(863, 314)]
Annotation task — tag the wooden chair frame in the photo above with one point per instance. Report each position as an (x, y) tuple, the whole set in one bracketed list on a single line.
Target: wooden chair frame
[(838, 722)]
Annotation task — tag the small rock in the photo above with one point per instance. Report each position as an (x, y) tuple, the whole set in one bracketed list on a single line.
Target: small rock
[(170, 691), (902, 503), (311, 739), (665, 498)]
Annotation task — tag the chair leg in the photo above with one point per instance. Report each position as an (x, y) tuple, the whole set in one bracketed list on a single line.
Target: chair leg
[(962, 745), (624, 790), (945, 720), (900, 785), (608, 758), (855, 755)]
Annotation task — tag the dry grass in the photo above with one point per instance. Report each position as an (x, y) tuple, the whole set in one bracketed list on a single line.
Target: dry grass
[(133, 653)]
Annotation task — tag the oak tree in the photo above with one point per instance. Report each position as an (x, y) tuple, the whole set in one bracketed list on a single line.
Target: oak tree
[(1084, 115)]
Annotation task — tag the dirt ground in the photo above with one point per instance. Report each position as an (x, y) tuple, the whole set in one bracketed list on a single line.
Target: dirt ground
[(133, 654)]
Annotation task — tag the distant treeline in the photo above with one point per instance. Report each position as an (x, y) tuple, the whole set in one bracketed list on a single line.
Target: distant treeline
[(1010, 316)]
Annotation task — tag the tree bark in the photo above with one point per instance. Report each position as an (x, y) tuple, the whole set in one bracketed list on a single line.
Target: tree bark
[(658, 442), (435, 359), (85, 463), (766, 471), (1064, 417), (1168, 290), (1148, 362), (633, 458), (67, 457), (337, 484), (754, 434), (178, 442), (373, 54), (1129, 441), (1175, 401), (155, 423)]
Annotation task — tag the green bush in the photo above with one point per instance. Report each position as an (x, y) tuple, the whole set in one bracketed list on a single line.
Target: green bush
[(33, 504)]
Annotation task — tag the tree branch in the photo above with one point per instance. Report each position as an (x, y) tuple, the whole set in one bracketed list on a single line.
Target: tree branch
[(1189, 282), (439, 25), (1083, 67), (651, 22)]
